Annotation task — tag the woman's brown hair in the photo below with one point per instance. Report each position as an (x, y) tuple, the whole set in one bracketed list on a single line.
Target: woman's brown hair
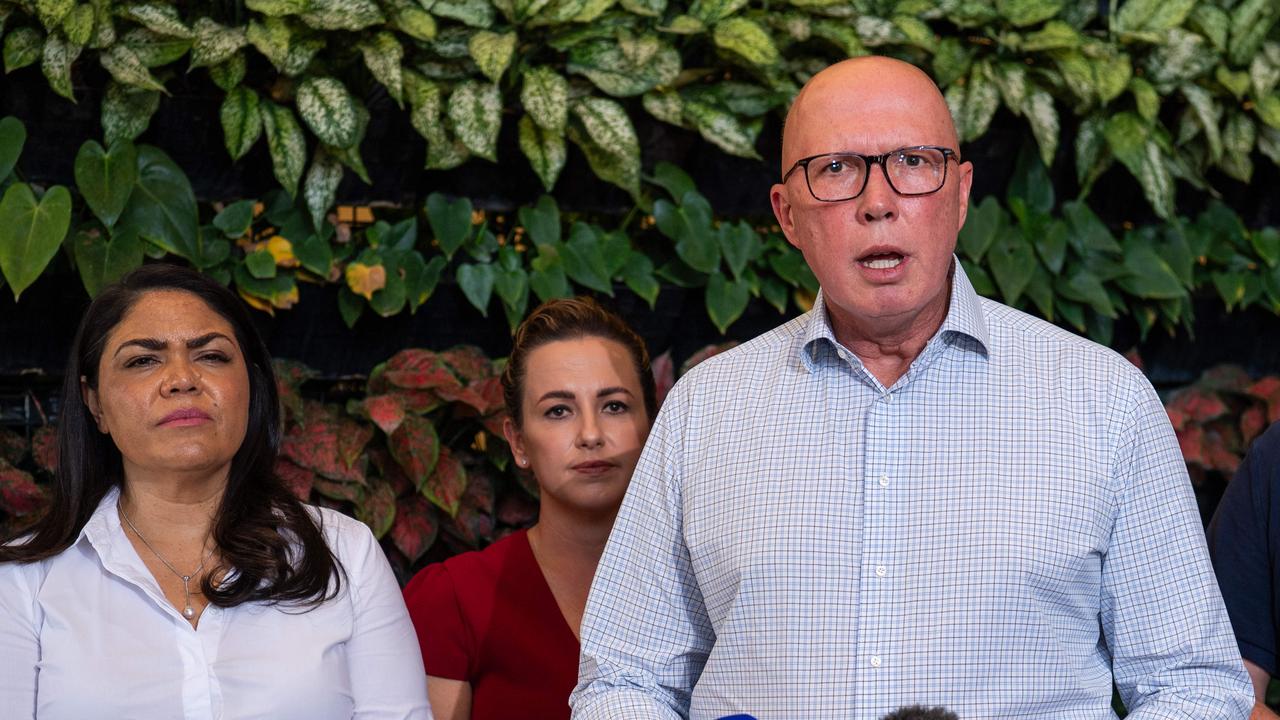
[(274, 544), (569, 319)]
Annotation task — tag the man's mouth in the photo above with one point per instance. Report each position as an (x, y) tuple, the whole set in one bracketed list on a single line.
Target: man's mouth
[(881, 261)]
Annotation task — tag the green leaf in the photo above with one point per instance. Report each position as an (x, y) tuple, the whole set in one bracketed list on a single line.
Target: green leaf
[(13, 135), (1152, 15), (1212, 22), (1012, 261), (475, 113), (22, 47), (56, 59), (1145, 98), (277, 8), (637, 273), (1267, 242), (739, 244), (983, 224), (214, 43), (583, 260), (162, 206), (1083, 286), (621, 73), (31, 232), (382, 55), (320, 188), (329, 110), (412, 20), (1268, 110), (981, 99), (230, 73), (350, 306), (260, 264), (1127, 136), (1230, 286), (1149, 276), (1092, 158), (1055, 35), (723, 129), (492, 52), (1237, 142), (52, 12), (241, 121), (106, 178), (474, 13), (421, 278), (1021, 13), (545, 97), (126, 68), (1251, 22), (287, 145), (234, 220), (1088, 234), (712, 11), (746, 39), (157, 17), (126, 112), (672, 179), (1208, 113), (450, 221), (78, 25), (512, 287), (1264, 73), (605, 135), (315, 254), (1043, 117), (1030, 182), (951, 61), (102, 260), (726, 300), (545, 150), (272, 37), (1183, 56), (689, 224), (154, 49), (342, 14), (476, 281), (1051, 245)]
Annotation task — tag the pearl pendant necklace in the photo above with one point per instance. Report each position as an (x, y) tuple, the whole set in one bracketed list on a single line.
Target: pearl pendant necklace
[(188, 611)]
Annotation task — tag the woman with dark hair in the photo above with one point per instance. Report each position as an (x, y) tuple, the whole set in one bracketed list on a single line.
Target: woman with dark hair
[(174, 574), (499, 628)]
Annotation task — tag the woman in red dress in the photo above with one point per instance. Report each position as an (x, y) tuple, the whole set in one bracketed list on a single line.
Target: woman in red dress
[(499, 627)]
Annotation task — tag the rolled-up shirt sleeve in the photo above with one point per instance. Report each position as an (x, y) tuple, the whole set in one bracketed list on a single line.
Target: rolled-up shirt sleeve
[(645, 632), (19, 640), (1173, 654)]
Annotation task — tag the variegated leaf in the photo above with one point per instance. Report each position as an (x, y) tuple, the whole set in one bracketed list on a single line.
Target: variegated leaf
[(684, 25), (154, 49), (1269, 144), (592, 9), (1151, 15), (1055, 35), (646, 8), (1183, 56), (383, 55), (545, 97), (412, 20), (1268, 110), (1264, 75), (1043, 117), (215, 43), (1021, 13), (1111, 72), (666, 106), (56, 59), (1145, 98), (1213, 22), (125, 67), (473, 13), (525, 9), (51, 12), (1129, 139), (78, 25), (1091, 146), (320, 188), (916, 32), (607, 65), (1237, 143), (982, 98), (1208, 113), (342, 14), (711, 12), (723, 129), (22, 46), (842, 35), (286, 142), (876, 31), (492, 52), (606, 136), (351, 156), (230, 73), (126, 112), (545, 150), (277, 8), (301, 52), (425, 107), (329, 110), (475, 113), (241, 121), (746, 39), (271, 37), (1011, 78), (104, 30), (1077, 75), (1251, 22), (157, 17)]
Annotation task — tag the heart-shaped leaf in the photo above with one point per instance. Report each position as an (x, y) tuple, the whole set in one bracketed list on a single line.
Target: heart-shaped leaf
[(31, 232), (476, 282), (740, 244), (106, 177), (13, 135), (416, 447), (726, 300), (450, 221), (102, 260), (162, 206)]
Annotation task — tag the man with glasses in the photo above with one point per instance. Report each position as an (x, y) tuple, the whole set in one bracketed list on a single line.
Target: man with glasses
[(910, 494)]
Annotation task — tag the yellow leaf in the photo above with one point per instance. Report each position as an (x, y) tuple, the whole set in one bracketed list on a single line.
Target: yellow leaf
[(258, 303), (284, 301), (282, 250), (365, 280)]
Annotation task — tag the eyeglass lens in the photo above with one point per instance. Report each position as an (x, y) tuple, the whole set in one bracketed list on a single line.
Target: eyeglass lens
[(911, 171)]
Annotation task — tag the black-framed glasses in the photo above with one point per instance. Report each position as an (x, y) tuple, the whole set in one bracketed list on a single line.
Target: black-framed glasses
[(840, 176)]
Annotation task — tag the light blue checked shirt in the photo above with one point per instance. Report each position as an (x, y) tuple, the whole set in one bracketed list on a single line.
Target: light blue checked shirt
[(999, 532)]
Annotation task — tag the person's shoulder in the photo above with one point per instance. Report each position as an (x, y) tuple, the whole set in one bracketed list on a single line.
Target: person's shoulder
[(1016, 333), (1264, 451), (773, 348), (465, 573)]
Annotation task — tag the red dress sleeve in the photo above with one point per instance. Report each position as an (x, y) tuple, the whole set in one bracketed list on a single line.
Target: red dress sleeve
[(443, 635)]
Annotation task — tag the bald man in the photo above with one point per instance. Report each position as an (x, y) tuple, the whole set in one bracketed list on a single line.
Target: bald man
[(910, 494)]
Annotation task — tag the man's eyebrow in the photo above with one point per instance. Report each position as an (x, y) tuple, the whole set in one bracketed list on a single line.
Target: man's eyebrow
[(157, 345)]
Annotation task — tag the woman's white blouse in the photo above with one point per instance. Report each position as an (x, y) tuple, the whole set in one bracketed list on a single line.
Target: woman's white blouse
[(88, 634)]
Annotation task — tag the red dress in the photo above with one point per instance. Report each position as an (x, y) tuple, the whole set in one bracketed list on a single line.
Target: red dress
[(489, 618)]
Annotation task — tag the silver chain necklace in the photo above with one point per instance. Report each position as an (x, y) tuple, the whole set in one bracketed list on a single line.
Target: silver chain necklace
[(188, 611)]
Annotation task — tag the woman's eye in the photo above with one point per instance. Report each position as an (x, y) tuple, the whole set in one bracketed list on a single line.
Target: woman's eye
[(140, 361), (558, 411), (615, 407), (217, 357)]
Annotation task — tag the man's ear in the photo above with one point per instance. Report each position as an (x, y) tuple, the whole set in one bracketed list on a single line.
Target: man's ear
[(90, 397), (515, 439), (782, 211), (966, 183)]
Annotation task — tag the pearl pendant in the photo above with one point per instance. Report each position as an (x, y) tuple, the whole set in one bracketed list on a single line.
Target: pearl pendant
[(188, 612)]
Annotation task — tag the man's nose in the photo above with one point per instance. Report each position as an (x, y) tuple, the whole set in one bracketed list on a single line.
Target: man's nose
[(878, 201)]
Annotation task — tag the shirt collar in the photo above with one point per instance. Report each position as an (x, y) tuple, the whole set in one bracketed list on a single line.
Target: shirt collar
[(964, 320)]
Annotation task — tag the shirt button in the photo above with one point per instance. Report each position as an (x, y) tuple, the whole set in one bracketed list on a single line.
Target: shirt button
[(888, 397), (875, 661), (884, 481), (881, 571)]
